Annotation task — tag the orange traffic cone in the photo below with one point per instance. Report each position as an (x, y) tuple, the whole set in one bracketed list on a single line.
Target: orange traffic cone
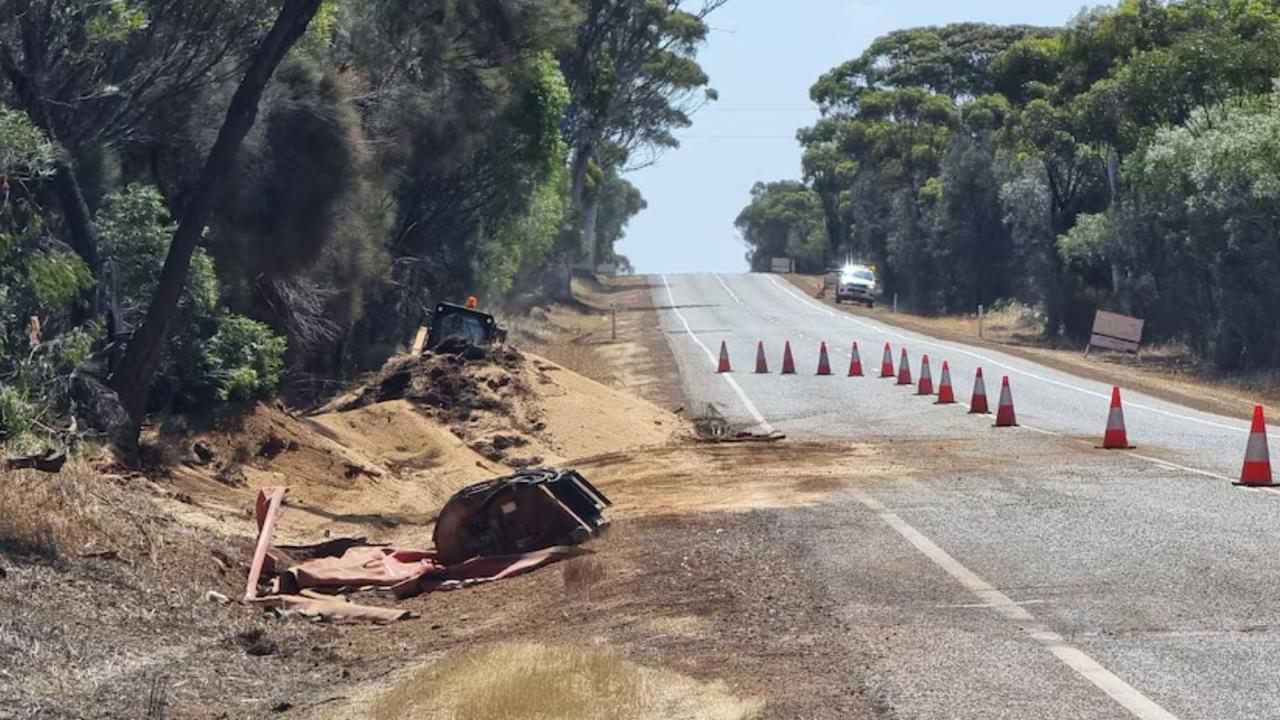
[(886, 365), (855, 362), (762, 365), (978, 405), (926, 378), (1116, 438), (904, 369), (1005, 416), (946, 395), (788, 364), (824, 363), (724, 359), (1257, 458)]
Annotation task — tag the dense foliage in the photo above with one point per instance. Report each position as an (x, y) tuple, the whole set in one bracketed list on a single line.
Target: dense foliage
[(1125, 162), (399, 152)]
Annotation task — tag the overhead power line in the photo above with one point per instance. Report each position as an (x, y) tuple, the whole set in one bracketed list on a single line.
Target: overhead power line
[(701, 136), (759, 109)]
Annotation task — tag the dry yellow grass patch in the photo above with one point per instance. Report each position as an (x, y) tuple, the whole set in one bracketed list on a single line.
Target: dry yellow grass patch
[(527, 681), (50, 516), (570, 337), (683, 626)]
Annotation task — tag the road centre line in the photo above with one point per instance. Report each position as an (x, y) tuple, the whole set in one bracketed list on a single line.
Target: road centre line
[(1197, 471), (711, 356), (1129, 697), (726, 288), (1039, 430), (1157, 461), (1154, 460), (991, 361)]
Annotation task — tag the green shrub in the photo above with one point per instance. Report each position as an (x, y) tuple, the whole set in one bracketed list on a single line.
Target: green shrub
[(239, 385), (246, 359), (74, 348), (17, 415)]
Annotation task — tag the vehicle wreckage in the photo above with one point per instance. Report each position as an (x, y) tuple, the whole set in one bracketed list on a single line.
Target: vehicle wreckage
[(487, 531)]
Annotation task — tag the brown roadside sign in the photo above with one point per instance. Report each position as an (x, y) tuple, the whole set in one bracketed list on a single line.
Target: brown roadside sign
[(1117, 332)]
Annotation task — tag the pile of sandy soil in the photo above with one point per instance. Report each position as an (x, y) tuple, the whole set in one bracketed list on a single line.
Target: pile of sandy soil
[(517, 409), (382, 459)]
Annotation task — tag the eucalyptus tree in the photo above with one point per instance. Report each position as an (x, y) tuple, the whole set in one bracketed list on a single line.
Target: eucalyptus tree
[(95, 76), (132, 380), (633, 79)]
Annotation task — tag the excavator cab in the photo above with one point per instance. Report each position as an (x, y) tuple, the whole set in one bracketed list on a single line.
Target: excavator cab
[(467, 323)]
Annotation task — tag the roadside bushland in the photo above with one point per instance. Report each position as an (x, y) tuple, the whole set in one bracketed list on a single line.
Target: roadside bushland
[(396, 154)]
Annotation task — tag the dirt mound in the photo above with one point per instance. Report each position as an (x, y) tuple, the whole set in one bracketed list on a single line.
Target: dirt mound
[(511, 408), (582, 417), (384, 468), (452, 383), (386, 456)]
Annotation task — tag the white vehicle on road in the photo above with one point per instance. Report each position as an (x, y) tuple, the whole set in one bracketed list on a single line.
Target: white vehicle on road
[(857, 283)]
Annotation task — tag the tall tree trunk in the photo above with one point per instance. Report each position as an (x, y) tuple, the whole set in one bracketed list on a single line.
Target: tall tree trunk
[(82, 233), (578, 194), (590, 216), (142, 356), (80, 226)]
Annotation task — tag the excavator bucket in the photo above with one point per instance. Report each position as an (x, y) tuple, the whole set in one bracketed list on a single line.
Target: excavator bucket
[(530, 510)]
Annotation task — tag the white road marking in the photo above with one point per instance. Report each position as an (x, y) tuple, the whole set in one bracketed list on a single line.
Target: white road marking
[(1156, 461), (1176, 466), (711, 356), (1129, 697), (726, 288), (1206, 473), (885, 330), (1040, 430), (982, 606)]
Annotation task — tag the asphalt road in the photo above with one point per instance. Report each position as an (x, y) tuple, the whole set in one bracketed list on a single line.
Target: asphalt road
[(1011, 572)]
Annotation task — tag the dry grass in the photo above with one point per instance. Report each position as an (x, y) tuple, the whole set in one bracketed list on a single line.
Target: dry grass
[(48, 517), (569, 337), (101, 593), (580, 335), (1013, 323), (83, 513), (526, 681)]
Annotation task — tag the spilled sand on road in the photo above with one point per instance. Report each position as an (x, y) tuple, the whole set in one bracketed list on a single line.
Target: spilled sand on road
[(694, 477)]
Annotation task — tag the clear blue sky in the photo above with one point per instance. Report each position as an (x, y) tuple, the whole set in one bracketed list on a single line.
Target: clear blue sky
[(762, 57)]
